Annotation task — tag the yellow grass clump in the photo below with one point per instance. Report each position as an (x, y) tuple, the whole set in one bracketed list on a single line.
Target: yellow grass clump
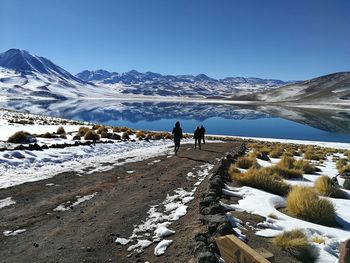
[(261, 179), (91, 135), (296, 244), (304, 203), (102, 129), (246, 162), (318, 239), (323, 185), (305, 166), (125, 136), (140, 134), (60, 130), (20, 137), (276, 152), (82, 131)]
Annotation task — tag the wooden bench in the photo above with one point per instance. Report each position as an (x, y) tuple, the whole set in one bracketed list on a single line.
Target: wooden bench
[(233, 250)]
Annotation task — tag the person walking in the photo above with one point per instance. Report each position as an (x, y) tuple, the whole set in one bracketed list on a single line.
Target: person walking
[(177, 132), (197, 138), (202, 129)]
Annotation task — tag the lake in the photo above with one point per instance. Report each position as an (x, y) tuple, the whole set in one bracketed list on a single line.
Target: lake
[(221, 119)]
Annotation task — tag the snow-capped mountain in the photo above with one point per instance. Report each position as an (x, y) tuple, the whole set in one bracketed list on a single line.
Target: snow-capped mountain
[(23, 75), (329, 89), (155, 84)]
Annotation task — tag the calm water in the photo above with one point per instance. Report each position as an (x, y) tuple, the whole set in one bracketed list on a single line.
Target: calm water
[(223, 119)]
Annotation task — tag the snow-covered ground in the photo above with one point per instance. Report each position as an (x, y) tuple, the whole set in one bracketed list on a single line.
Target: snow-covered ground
[(20, 166), (270, 203)]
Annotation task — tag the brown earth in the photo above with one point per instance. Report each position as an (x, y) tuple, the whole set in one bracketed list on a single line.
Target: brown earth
[(87, 232)]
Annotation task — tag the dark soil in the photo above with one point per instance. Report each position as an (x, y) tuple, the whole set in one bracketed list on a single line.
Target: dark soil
[(87, 232)]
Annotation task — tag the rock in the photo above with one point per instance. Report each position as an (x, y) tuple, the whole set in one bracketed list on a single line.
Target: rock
[(199, 247), (205, 202), (212, 210), (35, 244), (205, 257), (224, 229), (344, 251)]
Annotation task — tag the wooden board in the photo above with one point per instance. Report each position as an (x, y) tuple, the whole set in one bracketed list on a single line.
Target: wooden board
[(233, 250)]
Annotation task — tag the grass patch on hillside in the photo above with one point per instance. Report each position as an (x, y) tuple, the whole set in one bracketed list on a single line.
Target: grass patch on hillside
[(261, 179), (304, 203), (20, 137), (296, 244), (323, 185)]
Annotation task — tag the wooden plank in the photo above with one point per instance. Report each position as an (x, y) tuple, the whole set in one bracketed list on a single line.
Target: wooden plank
[(266, 254), (233, 250)]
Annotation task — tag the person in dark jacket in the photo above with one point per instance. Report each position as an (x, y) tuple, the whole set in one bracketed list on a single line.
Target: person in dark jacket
[(202, 129), (197, 138), (177, 132)]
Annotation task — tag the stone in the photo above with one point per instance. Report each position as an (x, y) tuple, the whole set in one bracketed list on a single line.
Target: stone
[(205, 257), (212, 210)]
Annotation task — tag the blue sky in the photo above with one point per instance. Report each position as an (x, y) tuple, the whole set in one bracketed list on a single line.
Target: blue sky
[(280, 39)]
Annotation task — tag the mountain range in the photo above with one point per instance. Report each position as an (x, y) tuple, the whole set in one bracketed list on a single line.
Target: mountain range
[(23, 75), (27, 76)]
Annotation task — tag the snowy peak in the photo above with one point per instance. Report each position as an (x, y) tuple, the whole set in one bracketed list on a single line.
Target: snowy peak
[(24, 62)]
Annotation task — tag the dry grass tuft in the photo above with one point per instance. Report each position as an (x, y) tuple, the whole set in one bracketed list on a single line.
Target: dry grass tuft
[(246, 162), (323, 185), (261, 179), (125, 136), (60, 130), (102, 129), (20, 137), (91, 135), (276, 152), (82, 131), (303, 202), (305, 166), (140, 134), (296, 244)]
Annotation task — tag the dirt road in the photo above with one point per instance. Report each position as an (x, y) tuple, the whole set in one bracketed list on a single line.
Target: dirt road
[(120, 199)]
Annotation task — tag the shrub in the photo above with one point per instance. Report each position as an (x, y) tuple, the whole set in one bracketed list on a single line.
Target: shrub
[(261, 179), (106, 135), (296, 244), (324, 186), (303, 202), (286, 162), (130, 132), (276, 153), (102, 129), (233, 171), (124, 129), (140, 134), (116, 129), (82, 131), (157, 136), (21, 137), (312, 155), (246, 163), (60, 130), (148, 136), (318, 239), (344, 169), (125, 136), (286, 172), (168, 136), (265, 150), (91, 135), (305, 166), (340, 163)]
